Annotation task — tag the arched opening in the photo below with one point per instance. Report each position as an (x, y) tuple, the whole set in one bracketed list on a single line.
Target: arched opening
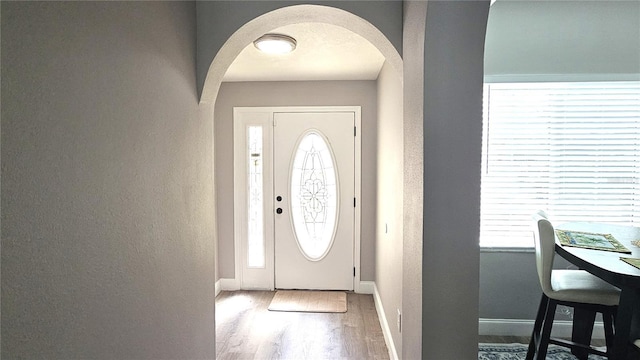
[(312, 14), (287, 16)]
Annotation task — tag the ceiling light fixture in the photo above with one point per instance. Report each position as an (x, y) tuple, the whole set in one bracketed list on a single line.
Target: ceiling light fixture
[(275, 43)]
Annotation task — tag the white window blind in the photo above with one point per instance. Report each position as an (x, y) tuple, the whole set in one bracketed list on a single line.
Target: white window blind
[(571, 149)]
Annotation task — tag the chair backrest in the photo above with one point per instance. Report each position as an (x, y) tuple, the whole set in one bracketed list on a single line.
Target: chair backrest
[(545, 242)]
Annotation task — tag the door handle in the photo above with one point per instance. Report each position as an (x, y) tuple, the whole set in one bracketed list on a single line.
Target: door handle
[(279, 210)]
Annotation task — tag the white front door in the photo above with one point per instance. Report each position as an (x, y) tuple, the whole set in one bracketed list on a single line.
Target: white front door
[(314, 200)]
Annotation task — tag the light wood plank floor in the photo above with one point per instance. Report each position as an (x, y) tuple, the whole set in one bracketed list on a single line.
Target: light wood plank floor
[(245, 329)]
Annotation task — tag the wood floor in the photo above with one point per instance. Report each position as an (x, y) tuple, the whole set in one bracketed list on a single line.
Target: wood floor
[(245, 329)]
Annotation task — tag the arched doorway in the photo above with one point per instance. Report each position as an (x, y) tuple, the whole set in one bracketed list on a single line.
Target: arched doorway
[(287, 16), (293, 15)]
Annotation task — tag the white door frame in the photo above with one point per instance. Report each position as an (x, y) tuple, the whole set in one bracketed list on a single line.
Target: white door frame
[(239, 176)]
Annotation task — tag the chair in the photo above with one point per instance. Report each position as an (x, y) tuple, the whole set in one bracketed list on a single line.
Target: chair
[(578, 289)]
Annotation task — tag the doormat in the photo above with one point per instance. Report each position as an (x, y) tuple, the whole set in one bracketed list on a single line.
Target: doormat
[(309, 301)]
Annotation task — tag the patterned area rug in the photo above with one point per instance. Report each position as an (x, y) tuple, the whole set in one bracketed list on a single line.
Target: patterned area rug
[(519, 352)]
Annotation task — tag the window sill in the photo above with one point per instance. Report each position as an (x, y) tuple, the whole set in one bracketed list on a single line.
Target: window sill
[(507, 250)]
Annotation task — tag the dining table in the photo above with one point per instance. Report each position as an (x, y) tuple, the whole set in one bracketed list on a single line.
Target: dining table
[(609, 266)]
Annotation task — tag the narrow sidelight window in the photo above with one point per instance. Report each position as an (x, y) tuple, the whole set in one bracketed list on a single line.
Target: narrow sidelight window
[(255, 231)]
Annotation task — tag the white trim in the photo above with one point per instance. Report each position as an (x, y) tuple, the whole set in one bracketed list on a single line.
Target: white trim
[(229, 284), (218, 287), (366, 287), (358, 195), (239, 211), (520, 327), (520, 250), (386, 331), (516, 78)]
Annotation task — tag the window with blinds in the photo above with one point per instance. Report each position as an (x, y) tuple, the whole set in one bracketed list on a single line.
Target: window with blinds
[(571, 149)]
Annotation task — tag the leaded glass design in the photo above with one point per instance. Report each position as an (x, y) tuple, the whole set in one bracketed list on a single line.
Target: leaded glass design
[(314, 197), (255, 231)]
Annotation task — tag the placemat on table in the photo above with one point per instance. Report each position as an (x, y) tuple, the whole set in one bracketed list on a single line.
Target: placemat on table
[(631, 261), (587, 240)]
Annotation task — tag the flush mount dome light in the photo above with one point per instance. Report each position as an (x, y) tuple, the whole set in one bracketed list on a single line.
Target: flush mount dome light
[(275, 44)]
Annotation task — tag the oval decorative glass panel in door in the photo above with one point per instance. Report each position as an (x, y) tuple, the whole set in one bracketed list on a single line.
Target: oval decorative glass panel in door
[(314, 196)]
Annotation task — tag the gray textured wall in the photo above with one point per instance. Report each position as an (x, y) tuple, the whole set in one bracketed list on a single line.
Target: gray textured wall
[(296, 93), (509, 286), (107, 243), (389, 220), (415, 16), (565, 40), (454, 45)]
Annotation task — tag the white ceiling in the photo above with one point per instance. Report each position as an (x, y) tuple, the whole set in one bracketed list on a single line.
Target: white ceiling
[(323, 52)]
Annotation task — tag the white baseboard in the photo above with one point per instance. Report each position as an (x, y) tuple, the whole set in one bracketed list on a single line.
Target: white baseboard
[(386, 331), (229, 284), (366, 287), (515, 327)]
